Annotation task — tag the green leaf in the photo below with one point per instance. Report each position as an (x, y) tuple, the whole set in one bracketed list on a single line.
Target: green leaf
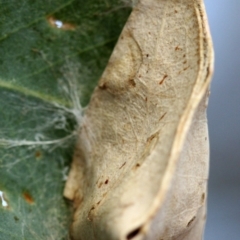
[(52, 54)]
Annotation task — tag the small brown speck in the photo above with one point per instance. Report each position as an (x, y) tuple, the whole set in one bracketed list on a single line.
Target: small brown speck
[(133, 233), (123, 165), (28, 197), (149, 139), (103, 86), (38, 154), (162, 80), (191, 221), (106, 182), (132, 83), (162, 116)]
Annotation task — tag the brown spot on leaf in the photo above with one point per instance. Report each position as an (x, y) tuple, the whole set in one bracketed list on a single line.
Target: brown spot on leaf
[(152, 137), (123, 165), (177, 48), (28, 197), (38, 154), (106, 182), (57, 23), (191, 221), (162, 116), (103, 86), (162, 80), (133, 233), (132, 83), (203, 198), (137, 165)]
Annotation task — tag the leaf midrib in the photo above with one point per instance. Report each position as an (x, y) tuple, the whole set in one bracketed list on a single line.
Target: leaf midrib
[(45, 97)]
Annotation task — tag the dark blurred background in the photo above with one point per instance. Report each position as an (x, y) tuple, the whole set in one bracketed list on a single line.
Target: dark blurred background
[(223, 222)]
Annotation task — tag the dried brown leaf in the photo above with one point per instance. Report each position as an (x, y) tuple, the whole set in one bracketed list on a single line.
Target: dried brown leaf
[(141, 165)]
